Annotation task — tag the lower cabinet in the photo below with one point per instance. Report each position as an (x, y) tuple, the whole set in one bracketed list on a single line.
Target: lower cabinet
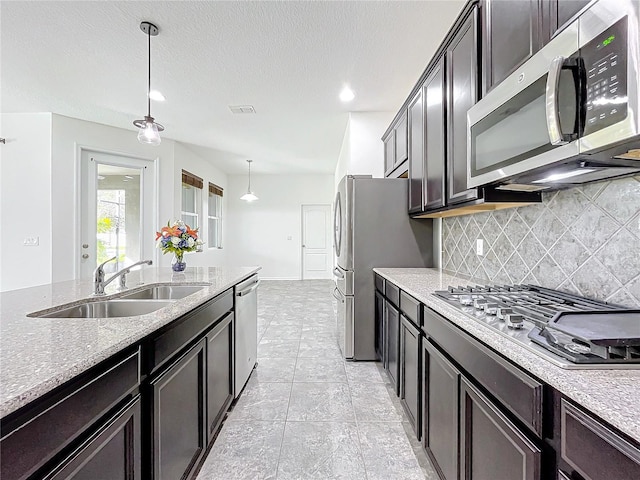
[(379, 326), (441, 385), (111, 453), (410, 372), (178, 417), (219, 373), (392, 336), (491, 446)]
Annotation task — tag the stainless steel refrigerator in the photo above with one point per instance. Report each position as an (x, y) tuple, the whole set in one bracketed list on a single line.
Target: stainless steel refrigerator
[(371, 229)]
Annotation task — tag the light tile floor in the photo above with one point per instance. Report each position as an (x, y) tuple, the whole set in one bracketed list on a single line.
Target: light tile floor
[(305, 412)]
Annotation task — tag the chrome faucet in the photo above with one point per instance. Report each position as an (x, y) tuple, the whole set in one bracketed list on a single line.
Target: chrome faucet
[(99, 281)]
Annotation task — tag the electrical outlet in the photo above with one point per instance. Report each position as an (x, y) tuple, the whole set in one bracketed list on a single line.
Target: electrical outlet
[(31, 241), (480, 246)]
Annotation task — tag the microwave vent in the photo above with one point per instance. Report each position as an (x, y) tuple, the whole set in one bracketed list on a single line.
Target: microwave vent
[(519, 187)]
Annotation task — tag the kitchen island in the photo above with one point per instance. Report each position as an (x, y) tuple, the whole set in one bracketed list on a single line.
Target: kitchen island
[(48, 363), (556, 399)]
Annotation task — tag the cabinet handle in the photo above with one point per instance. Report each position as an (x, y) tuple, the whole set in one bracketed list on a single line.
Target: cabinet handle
[(247, 291), (338, 273)]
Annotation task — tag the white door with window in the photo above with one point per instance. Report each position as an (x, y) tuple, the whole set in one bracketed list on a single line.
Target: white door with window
[(317, 251), (117, 211)]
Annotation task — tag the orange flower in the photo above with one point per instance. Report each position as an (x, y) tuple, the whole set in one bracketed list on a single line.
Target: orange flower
[(158, 235), (193, 233)]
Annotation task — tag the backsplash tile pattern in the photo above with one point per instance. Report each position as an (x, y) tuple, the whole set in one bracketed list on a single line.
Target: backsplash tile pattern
[(585, 240)]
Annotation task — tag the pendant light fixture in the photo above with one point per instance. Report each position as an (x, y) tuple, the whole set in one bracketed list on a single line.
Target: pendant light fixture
[(149, 129), (249, 196)]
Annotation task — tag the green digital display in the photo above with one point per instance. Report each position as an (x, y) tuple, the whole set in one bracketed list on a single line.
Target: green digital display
[(608, 40)]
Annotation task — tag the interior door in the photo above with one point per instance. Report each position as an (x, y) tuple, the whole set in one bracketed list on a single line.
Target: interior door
[(316, 242), (117, 198)]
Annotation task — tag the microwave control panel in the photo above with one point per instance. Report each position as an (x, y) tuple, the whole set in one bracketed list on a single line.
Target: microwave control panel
[(605, 62)]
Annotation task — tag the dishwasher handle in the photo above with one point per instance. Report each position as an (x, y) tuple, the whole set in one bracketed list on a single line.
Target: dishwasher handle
[(247, 291)]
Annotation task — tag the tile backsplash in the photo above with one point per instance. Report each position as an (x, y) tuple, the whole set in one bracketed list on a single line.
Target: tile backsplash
[(585, 240)]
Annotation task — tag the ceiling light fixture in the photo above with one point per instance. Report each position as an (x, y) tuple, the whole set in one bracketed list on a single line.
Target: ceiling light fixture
[(249, 196), (149, 129), (346, 95)]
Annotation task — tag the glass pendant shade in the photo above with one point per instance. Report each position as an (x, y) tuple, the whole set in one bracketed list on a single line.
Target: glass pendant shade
[(149, 133)]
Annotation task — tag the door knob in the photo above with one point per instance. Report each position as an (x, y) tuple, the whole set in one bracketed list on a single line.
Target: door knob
[(85, 255)]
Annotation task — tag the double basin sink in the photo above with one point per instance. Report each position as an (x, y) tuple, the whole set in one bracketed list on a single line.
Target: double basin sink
[(132, 304)]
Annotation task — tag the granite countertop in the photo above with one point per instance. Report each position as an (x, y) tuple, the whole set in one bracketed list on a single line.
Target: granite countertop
[(38, 354), (611, 394)]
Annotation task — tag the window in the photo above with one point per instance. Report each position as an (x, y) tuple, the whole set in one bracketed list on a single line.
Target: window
[(215, 216), (191, 194)]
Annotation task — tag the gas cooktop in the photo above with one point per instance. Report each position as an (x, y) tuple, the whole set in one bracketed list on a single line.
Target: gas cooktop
[(568, 330)]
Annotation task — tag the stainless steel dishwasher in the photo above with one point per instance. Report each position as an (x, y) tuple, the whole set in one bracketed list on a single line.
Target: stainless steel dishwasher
[(246, 332)]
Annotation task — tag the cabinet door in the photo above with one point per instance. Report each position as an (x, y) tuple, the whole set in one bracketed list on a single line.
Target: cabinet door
[(379, 314), (401, 140), (491, 446), (440, 411), (434, 177), (392, 340), (593, 450), (511, 33), (462, 93), (416, 153), (389, 152), (219, 373), (178, 420), (561, 11), (111, 453), (410, 372)]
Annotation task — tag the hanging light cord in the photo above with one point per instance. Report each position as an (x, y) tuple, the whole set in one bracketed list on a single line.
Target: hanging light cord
[(149, 82)]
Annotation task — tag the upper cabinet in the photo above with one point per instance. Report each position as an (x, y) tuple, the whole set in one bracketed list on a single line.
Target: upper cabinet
[(395, 148), (416, 152), (462, 93), (433, 180), (511, 34), (558, 13)]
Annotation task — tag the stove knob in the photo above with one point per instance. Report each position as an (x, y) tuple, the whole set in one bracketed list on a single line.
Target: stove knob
[(490, 308), (501, 313), (515, 321), (466, 299), (479, 302)]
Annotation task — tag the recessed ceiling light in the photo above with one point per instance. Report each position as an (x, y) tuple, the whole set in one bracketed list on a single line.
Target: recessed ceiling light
[(346, 95), (157, 96)]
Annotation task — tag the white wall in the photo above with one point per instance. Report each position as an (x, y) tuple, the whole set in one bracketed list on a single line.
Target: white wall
[(187, 159), (362, 151), (257, 232), (25, 199)]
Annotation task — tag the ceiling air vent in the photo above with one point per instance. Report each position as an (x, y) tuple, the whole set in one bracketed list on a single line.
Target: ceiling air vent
[(242, 109)]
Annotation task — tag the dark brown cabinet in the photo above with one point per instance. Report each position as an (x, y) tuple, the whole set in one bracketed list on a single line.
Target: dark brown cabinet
[(392, 336), (178, 418), (491, 445), (416, 153), (379, 333), (111, 453), (593, 450), (435, 159), (511, 34), (462, 93), (219, 373), (401, 140), (560, 13), (395, 148), (441, 382), (389, 152), (410, 372)]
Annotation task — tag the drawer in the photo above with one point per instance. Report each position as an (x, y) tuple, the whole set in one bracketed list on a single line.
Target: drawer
[(594, 450), (392, 293), (188, 328), (65, 415), (379, 281), (517, 391), (411, 308)]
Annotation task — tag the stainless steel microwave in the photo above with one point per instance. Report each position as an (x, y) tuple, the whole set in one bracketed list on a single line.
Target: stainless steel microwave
[(570, 114)]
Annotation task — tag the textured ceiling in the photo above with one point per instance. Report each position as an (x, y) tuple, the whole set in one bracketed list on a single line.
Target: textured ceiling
[(289, 60)]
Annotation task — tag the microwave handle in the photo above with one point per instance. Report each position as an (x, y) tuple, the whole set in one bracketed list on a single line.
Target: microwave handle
[(551, 103)]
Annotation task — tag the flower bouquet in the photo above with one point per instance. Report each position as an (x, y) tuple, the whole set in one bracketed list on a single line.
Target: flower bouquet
[(177, 239)]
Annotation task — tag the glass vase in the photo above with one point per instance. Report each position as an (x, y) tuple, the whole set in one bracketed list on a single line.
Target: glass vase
[(178, 264)]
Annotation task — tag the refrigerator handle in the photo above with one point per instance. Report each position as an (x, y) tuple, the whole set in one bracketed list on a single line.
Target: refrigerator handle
[(337, 296), (338, 273)]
